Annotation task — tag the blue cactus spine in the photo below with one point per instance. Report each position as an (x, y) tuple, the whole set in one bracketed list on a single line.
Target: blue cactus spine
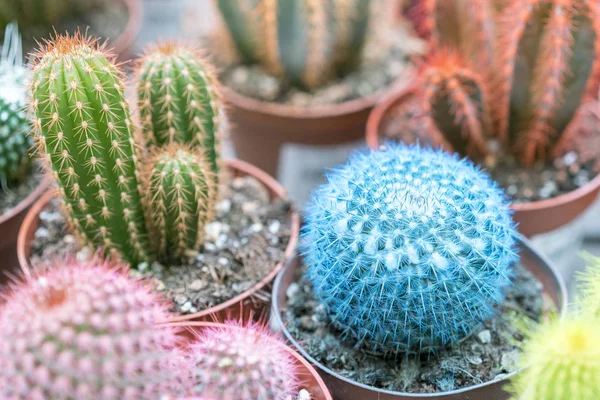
[(408, 249)]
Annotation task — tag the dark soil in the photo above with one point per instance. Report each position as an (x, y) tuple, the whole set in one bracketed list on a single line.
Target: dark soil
[(106, 20), (14, 193), (542, 181), (489, 354), (243, 244), (376, 72)]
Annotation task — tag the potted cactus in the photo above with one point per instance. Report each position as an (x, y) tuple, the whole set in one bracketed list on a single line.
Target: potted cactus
[(211, 234), (75, 330), (119, 21), (411, 279), (264, 367), (561, 357), (521, 100), (19, 185), (301, 78)]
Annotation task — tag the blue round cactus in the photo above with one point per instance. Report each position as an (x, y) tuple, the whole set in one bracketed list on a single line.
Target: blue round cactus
[(408, 249)]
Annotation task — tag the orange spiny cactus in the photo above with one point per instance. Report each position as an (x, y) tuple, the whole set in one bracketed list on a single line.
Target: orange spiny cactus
[(538, 89)]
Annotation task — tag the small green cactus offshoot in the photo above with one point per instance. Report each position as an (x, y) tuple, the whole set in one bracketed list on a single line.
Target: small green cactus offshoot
[(307, 42), (14, 126), (84, 130), (180, 194), (178, 96)]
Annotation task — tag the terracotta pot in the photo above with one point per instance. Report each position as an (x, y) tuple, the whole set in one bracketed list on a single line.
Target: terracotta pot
[(309, 378), (533, 218), (260, 129), (10, 223), (123, 43), (345, 389), (243, 305)]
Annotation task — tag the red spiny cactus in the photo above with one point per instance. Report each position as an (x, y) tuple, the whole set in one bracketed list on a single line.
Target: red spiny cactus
[(77, 331), (242, 363), (548, 67)]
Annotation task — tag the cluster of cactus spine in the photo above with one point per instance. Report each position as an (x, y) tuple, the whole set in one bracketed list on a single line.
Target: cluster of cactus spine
[(236, 362), (87, 331), (85, 132), (84, 129), (307, 42), (545, 73), (178, 98), (408, 249), (14, 126), (561, 357), (180, 195)]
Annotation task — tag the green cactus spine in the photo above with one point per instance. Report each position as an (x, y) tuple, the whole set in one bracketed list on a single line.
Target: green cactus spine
[(179, 101), (307, 42), (84, 130), (14, 126), (180, 194)]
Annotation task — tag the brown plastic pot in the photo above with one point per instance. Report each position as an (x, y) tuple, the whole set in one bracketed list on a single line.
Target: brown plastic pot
[(10, 223), (260, 129), (309, 377), (346, 389), (241, 306), (533, 218), (123, 43)]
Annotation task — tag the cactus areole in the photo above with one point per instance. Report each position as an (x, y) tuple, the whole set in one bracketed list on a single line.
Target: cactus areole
[(408, 249), (84, 130)]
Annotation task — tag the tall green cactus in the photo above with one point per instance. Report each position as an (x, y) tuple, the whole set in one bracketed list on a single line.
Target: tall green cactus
[(306, 41), (178, 98), (85, 131), (14, 126), (180, 193)]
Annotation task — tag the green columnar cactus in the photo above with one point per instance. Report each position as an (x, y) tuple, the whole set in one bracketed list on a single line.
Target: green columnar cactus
[(560, 361), (590, 285), (14, 126), (306, 41), (84, 130), (179, 101), (181, 194)]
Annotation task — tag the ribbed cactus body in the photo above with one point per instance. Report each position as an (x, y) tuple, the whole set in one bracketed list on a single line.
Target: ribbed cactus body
[(590, 285), (14, 125), (87, 332), (85, 132), (305, 41), (561, 361), (180, 194), (408, 249), (178, 97), (242, 363)]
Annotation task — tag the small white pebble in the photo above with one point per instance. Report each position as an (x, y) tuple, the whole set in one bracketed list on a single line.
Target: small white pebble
[(304, 395), (210, 247), (186, 306), (292, 290), (142, 266), (223, 207), (274, 227), (256, 227), (213, 230), (223, 261), (69, 239)]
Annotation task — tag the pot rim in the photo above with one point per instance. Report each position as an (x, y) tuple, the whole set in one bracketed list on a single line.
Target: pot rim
[(274, 187), (372, 138), (125, 39), (289, 349), (31, 198), (276, 315), (315, 112)]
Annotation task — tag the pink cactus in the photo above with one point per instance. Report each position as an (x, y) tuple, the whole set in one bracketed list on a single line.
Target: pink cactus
[(247, 362), (73, 331)]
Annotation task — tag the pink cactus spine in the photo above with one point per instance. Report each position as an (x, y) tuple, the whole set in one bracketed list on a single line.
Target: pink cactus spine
[(242, 362), (74, 331)]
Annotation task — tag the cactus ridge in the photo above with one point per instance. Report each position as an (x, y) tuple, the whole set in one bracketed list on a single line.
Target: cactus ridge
[(561, 361), (87, 331), (408, 249), (181, 194), (179, 100), (243, 362), (83, 127), (307, 42)]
